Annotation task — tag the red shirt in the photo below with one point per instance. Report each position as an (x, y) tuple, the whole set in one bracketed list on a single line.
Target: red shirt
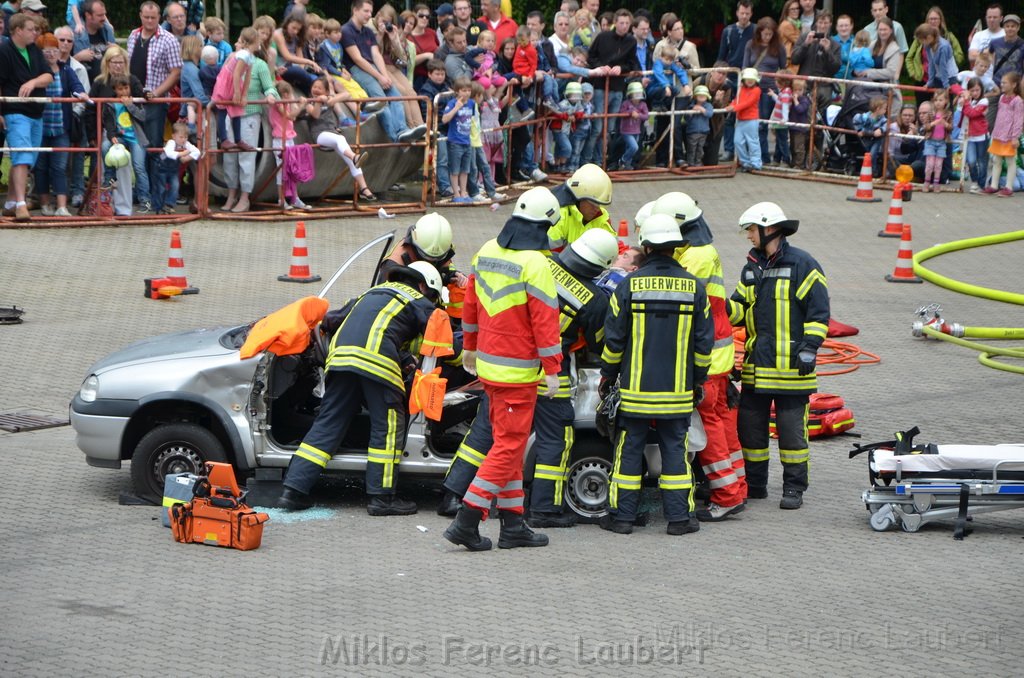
[(525, 60), (746, 102), (506, 28), (424, 43)]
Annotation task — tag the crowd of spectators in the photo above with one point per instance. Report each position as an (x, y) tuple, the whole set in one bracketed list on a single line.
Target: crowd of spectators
[(609, 87)]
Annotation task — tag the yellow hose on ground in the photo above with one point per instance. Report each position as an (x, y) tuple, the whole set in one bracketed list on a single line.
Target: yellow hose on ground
[(987, 352)]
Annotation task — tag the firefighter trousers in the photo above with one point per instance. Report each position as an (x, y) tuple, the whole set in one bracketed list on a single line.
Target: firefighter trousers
[(500, 476), (344, 395), (728, 488), (552, 444), (791, 424), (471, 452), (675, 482)]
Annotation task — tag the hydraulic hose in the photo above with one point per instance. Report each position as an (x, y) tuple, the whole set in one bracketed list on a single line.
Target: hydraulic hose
[(986, 357)]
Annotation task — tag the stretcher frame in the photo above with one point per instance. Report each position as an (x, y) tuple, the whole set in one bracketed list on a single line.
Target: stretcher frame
[(909, 499)]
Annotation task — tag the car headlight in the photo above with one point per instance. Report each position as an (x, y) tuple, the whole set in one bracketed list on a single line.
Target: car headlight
[(89, 388)]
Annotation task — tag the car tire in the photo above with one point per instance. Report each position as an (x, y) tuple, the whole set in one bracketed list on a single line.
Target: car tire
[(172, 448)]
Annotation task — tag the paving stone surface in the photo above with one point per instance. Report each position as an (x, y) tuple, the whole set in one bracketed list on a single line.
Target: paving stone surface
[(94, 588)]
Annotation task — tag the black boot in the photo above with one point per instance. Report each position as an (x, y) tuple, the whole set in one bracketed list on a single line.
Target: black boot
[(449, 505), (293, 500), (553, 519), (682, 527), (514, 532), (390, 505), (791, 500), (608, 522), (465, 530)]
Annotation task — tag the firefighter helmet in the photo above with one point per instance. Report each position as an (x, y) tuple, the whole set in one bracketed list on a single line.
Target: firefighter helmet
[(596, 246), (431, 237), (660, 230), (642, 214), (573, 88), (590, 182), (538, 205), (633, 89), (750, 74), (420, 271), (768, 214), (679, 206)]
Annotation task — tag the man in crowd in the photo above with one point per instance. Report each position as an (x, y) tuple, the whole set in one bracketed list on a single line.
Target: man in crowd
[(65, 40), (176, 23), (734, 42), (819, 57), (493, 20), (880, 8), (993, 29), (98, 35), (615, 49), (1007, 51), (464, 19)]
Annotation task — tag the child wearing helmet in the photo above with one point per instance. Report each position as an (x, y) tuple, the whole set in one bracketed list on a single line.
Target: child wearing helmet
[(748, 145), (634, 108), (570, 111), (581, 131), (698, 125)]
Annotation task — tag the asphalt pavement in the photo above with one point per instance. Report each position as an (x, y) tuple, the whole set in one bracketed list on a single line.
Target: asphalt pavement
[(94, 588)]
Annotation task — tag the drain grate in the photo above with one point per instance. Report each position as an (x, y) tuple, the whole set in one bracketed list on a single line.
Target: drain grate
[(15, 422)]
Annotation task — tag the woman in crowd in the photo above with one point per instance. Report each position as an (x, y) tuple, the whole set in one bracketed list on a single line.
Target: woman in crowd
[(51, 170), (191, 86), (425, 39), (399, 54), (903, 151), (765, 54), (674, 35), (917, 60), (323, 128), (885, 52), (293, 64), (789, 26)]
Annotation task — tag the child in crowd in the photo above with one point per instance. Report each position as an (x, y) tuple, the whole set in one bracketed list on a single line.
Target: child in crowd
[(936, 133), (314, 26), (481, 167), (631, 126), (982, 70), (216, 31), (482, 59), (265, 27), (458, 115), (494, 140), (779, 117), (329, 58), (282, 127), (660, 90), (320, 113), (436, 83), (573, 110), (629, 260), (583, 127), (208, 71), (698, 125), (124, 123), (799, 112), (974, 107), (582, 34), (524, 63), (606, 21), (748, 146), (178, 151), (860, 54), (232, 85), (871, 126), (1005, 135)]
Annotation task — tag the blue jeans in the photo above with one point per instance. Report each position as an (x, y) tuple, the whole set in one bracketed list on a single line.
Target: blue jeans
[(977, 159), (632, 145), (156, 118), (51, 170), (392, 117), (875, 148), (165, 183), (444, 184), (560, 140), (483, 169), (592, 149), (579, 139), (460, 159), (138, 154), (765, 106), (748, 147), (782, 153)]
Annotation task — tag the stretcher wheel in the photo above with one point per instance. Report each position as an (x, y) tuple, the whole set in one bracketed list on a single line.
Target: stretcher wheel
[(911, 522), (883, 519)]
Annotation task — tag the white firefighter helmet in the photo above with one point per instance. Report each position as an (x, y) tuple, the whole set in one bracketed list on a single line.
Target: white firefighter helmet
[(538, 205), (596, 246), (117, 156), (431, 237), (642, 214), (590, 182), (679, 206), (767, 214), (660, 230), (429, 274)]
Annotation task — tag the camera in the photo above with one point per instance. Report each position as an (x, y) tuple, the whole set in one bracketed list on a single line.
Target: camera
[(388, 26), (819, 35)]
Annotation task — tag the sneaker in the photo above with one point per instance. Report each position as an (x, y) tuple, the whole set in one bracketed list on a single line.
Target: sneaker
[(21, 213), (608, 522), (1005, 193), (551, 105), (397, 187), (791, 500), (480, 199), (447, 193), (390, 505), (168, 210), (975, 188), (47, 210), (182, 200), (757, 492), (374, 106), (537, 176), (713, 513), (298, 204), (286, 205), (521, 175), (77, 199), (497, 196), (145, 207), (988, 190), (61, 212), (681, 527), (346, 122), (412, 134)]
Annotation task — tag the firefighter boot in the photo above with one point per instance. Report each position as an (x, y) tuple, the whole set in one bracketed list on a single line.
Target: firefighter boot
[(514, 532), (449, 505), (681, 527), (551, 519), (465, 530), (608, 522), (757, 479), (390, 505), (293, 500), (791, 500)]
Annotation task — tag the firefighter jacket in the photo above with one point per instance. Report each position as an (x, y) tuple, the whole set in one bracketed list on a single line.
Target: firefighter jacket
[(582, 308), (510, 317), (704, 264), (376, 335), (571, 226), (783, 301), (658, 337)]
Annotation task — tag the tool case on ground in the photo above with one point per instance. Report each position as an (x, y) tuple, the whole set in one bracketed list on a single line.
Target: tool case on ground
[(178, 489), (828, 415), (217, 515)]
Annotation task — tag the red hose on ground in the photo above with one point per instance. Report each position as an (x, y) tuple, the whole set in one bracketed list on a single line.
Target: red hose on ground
[(840, 353)]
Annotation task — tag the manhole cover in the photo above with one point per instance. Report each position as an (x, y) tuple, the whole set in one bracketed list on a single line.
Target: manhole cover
[(16, 422)]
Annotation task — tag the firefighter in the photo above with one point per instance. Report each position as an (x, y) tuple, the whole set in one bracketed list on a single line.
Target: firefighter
[(581, 199), (511, 342), (658, 339), (722, 466), (782, 298), (581, 323), (364, 365)]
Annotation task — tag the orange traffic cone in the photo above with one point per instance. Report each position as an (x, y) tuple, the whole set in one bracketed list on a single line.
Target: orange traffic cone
[(865, 191), (299, 271), (176, 266), (894, 224), (623, 228), (904, 271)]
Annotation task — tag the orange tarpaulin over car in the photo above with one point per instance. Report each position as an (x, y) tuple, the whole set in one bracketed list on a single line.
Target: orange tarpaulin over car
[(286, 331)]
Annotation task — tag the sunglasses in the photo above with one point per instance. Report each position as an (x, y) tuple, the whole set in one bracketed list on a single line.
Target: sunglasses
[(423, 16), (64, 40)]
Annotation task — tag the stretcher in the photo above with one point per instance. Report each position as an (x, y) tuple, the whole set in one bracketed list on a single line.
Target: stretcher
[(913, 485)]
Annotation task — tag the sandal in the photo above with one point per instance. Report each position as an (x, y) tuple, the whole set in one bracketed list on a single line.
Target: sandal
[(358, 158), (367, 195)]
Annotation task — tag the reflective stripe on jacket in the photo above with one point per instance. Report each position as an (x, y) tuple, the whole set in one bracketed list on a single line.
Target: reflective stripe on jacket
[(510, 316), (704, 264), (783, 301)]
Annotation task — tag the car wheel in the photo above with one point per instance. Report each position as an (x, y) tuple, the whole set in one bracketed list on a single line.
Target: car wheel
[(172, 448), (586, 487)]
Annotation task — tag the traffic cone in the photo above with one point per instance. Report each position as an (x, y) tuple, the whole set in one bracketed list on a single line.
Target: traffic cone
[(865, 191), (904, 271), (894, 224), (176, 266), (623, 235), (299, 271)]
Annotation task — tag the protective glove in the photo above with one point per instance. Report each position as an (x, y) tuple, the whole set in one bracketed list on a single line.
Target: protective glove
[(806, 360), (551, 381), (698, 394), (732, 396), (469, 362), (604, 387)]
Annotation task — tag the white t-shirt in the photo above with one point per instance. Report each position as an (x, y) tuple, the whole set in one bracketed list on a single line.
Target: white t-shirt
[(981, 39)]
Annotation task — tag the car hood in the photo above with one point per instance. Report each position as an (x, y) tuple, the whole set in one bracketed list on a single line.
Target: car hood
[(189, 344)]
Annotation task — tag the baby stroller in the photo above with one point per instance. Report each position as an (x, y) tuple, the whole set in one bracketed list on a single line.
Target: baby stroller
[(843, 152)]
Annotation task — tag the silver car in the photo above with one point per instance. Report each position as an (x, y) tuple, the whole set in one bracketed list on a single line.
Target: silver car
[(170, 403)]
